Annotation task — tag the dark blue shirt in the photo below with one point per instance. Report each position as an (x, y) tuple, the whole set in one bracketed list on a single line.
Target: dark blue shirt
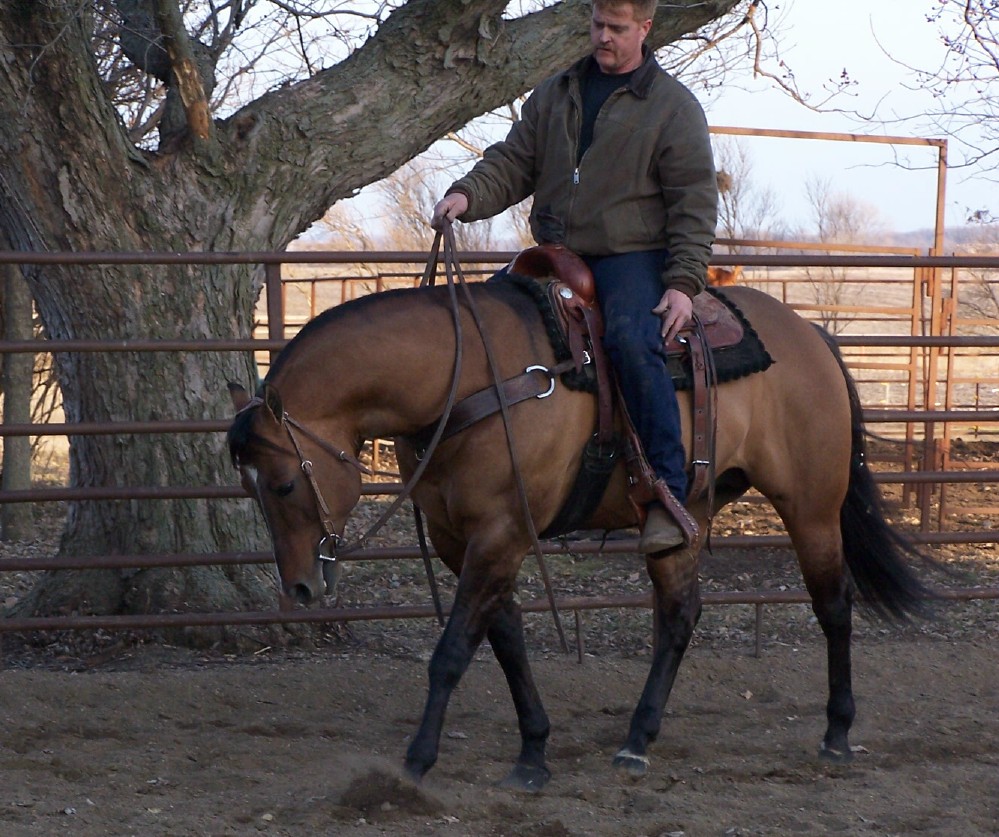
[(597, 87)]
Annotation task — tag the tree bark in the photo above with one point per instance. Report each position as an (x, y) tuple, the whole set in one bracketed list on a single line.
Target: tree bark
[(70, 179), (15, 518)]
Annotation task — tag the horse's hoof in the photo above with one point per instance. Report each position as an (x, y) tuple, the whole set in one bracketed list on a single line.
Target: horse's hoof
[(834, 754), (634, 765), (526, 778), (414, 772)]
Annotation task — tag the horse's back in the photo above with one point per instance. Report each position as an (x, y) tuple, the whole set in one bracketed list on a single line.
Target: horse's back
[(802, 358)]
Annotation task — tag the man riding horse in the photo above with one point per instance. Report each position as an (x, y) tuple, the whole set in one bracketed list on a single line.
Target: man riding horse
[(617, 155)]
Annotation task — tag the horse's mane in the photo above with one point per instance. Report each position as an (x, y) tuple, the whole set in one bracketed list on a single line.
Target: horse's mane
[(367, 306), (242, 437), (330, 316)]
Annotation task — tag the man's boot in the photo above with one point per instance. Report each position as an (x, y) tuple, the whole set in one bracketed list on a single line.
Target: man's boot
[(660, 531)]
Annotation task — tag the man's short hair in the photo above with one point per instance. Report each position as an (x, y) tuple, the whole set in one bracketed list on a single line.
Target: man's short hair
[(642, 9)]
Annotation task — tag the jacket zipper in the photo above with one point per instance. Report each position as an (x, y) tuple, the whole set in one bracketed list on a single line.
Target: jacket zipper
[(578, 104)]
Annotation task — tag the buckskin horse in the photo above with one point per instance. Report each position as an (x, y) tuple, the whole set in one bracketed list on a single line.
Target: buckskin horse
[(384, 366)]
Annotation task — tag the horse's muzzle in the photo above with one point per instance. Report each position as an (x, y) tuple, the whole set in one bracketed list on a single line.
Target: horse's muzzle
[(323, 582), (301, 594)]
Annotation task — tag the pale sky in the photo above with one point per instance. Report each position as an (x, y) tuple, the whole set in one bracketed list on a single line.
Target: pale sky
[(871, 40), (822, 39)]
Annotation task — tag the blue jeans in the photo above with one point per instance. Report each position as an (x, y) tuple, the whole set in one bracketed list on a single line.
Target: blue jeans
[(629, 286)]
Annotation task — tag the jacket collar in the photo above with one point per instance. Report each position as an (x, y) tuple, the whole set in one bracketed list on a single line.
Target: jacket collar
[(641, 81)]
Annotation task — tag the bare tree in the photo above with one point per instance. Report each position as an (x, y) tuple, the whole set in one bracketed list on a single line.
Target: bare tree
[(746, 210), (840, 219), (965, 83), (75, 175), (979, 289)]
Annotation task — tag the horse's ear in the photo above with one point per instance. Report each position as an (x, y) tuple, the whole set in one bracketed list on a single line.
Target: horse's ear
[(272, 401), (240, 397)]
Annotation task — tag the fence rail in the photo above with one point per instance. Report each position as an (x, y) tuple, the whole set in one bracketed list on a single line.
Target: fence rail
[(925, 476)]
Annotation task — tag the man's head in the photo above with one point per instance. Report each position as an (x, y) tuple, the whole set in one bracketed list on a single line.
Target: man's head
[(617, 31)]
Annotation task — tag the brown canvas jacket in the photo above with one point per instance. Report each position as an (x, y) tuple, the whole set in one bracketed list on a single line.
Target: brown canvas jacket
[(647, 181)]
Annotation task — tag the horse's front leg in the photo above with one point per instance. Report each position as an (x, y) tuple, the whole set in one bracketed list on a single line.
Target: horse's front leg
[(485, 593), (677, 607), (506, 636)]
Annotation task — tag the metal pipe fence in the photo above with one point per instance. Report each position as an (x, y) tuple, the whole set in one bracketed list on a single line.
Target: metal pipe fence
[(924, 476)]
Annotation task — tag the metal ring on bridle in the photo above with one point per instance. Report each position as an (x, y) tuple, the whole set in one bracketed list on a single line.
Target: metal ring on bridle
[(320, 554), (551, 379)]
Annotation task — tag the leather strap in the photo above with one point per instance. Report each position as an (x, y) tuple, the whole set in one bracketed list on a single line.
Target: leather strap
[(535, 382), (705, 419), (583, 325), (449, 247), (645, 487), (605, 392), (699, 454)]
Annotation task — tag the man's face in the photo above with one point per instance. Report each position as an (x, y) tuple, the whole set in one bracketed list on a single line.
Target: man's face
[(617, 38)]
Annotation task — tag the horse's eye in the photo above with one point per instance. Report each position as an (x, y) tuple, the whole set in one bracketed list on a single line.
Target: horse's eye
[(284, 489)]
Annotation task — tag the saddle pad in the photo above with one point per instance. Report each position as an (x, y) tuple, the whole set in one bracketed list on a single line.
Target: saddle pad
[(747, 356), (731, 363)]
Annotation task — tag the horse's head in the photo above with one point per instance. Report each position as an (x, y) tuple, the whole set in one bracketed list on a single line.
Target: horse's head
[(305, 506)]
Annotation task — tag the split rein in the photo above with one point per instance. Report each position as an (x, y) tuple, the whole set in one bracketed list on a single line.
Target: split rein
[(332, 545)]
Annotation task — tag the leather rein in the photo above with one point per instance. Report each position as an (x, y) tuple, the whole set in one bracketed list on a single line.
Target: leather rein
[(331, 546), (330, 537)]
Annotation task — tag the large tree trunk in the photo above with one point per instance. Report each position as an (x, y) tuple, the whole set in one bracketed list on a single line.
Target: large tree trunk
[(15, 518), (92, 191), (71, 180)]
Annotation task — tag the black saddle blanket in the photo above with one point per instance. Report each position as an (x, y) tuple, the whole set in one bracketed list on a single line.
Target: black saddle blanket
[(744, 358)]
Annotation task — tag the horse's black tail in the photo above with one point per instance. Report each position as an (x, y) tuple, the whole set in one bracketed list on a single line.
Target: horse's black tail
[(878, 556)]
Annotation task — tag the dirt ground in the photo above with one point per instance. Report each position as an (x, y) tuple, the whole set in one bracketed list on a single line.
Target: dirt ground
[(313, 744), (117, 736)]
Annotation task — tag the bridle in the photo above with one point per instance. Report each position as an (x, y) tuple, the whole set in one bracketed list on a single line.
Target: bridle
[(330, 538), (329, 545)]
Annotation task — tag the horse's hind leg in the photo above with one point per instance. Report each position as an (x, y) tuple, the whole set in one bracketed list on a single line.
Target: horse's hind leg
[(677, 609), (820, 554)]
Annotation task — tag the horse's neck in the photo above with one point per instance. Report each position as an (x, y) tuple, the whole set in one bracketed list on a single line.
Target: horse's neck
[(380, 375)]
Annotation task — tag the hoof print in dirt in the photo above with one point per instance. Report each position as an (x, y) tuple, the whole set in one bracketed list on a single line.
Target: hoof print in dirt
[(526, 779)]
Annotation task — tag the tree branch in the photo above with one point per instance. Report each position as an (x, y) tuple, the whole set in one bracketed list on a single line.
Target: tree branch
[(185, 70), (432, 67)]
